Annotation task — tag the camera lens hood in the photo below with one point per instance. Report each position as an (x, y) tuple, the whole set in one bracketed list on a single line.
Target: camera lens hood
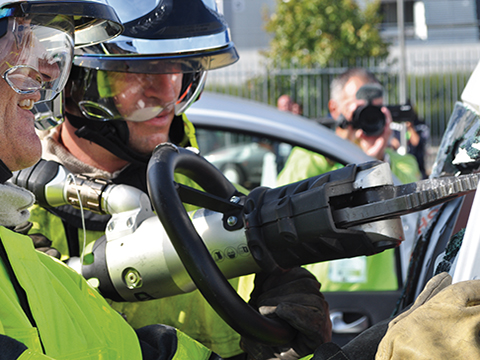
[(370, 119)]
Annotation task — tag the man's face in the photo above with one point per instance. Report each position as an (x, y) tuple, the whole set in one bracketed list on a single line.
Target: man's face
[(284, 103), (346, 105), (19, 144), (150, 91)]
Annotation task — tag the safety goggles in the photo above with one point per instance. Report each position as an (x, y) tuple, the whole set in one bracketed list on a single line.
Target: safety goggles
[(36, 53)]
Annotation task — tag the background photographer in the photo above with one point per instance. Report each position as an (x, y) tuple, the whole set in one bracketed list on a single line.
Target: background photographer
[(343, 102), (351, 95), (417, 138), (373, 273)]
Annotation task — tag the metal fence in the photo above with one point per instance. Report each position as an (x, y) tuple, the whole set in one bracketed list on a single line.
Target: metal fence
[(435, 80)]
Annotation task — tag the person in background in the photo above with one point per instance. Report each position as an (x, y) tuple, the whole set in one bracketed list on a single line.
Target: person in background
[(285, 103), (297, 109), (377, 272), (417, 138)]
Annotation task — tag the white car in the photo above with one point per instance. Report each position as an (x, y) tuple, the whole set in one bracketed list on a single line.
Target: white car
[(244, 138)]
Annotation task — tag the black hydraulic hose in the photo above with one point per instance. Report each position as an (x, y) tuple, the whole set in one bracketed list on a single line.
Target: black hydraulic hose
[(167, 159)]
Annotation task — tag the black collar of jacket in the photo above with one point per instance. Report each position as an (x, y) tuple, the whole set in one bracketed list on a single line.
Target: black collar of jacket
[(5, 172)]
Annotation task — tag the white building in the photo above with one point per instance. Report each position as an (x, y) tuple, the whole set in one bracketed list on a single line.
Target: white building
[(439, 35), (427, 21)]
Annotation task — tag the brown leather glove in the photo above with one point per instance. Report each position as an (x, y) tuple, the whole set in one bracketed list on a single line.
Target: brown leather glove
[(295, 297), (40, 242), (443, 323), (43, 244)]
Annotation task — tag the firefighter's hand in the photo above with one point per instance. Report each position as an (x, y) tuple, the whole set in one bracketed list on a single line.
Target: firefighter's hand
[(43, 244), (294, 297), (443, 323), (40, 242)]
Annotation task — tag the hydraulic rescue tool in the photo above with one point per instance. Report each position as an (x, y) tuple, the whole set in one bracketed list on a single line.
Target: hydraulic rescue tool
[(344, 213)]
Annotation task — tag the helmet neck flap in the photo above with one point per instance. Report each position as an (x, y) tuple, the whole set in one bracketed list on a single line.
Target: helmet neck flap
[(113, 136)]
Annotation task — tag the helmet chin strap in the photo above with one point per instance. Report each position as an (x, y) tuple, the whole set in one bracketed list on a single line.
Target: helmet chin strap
[(113, 136), (5, 172)]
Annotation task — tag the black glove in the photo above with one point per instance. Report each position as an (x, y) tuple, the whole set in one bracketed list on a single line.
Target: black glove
[(159, 342), (40, 242), (295, 297)]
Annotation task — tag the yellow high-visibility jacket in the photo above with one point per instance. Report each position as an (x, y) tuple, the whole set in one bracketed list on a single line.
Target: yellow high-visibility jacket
[(71, 320)]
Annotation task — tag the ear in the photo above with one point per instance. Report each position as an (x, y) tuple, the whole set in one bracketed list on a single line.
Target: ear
[(333, 108)]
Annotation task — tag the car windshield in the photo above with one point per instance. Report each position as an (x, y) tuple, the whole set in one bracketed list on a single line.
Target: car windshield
[(459, 152)]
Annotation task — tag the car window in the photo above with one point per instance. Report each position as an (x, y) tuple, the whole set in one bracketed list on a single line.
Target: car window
[(250, 161)]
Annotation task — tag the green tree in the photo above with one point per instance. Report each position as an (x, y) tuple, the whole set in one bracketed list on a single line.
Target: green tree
[(315, 32)]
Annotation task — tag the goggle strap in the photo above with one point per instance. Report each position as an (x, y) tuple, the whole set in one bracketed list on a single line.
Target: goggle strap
[(5, 172), (3, 26), (107, 139)]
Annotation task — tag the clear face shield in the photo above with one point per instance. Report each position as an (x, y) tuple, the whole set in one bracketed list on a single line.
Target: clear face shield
[(36, 53), (156, 88), (459, 151)]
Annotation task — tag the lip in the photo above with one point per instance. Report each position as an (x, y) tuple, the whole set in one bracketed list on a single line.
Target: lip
[(33, 97), (158, 121), (161, 119), (27, 113)]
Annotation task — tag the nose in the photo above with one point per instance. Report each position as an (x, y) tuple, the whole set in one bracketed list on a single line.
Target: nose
[(37, 56), (165, 87), (46, 65)]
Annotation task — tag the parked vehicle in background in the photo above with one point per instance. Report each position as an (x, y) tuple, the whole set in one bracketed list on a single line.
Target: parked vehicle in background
[(244, 138)]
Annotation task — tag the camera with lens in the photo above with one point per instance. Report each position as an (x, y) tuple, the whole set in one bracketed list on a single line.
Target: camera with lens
[(371, 119)]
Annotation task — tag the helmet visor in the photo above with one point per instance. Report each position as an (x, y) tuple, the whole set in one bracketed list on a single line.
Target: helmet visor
[(35, 56), (94, 21), (137, 55), (114, 95)]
